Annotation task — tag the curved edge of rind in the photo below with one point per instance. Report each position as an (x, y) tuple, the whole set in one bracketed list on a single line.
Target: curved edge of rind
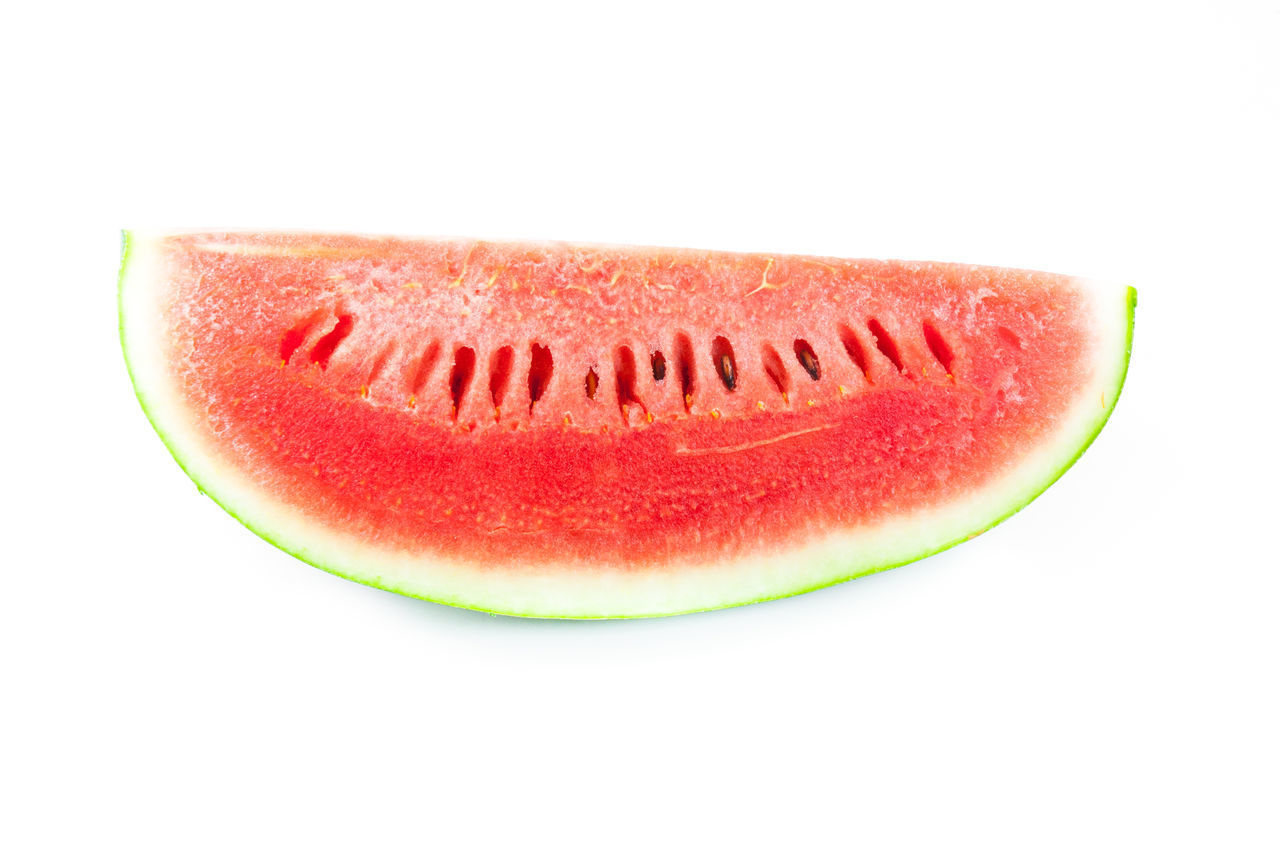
[(131, 240), (1131, 303), (128, 249)]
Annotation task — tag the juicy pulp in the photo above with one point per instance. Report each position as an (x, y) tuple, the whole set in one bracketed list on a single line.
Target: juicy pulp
[(483, 424)]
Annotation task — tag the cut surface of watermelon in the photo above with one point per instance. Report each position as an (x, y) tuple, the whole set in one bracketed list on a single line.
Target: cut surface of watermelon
[(560, 430)]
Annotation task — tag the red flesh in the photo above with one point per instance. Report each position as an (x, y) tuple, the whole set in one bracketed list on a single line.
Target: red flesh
[(358, 428)]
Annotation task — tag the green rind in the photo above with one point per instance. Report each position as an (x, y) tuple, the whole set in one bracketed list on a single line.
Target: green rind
[(210, 489)]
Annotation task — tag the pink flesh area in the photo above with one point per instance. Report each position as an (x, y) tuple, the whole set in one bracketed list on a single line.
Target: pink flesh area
[(326, 369)]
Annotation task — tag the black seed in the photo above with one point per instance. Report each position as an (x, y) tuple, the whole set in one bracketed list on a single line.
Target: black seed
[(659, 366), (726, 365), (809, 360)]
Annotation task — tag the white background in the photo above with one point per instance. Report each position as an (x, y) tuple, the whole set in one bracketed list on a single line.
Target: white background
[(1098, 671)]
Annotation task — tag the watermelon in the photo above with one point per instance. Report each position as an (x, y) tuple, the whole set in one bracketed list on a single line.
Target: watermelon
[(582, 431)]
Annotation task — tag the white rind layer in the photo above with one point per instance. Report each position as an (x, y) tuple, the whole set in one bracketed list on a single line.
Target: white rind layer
[(575, 591)]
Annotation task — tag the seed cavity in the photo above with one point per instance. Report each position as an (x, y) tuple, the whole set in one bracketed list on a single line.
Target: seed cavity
[(725, 363), (938, 347), (323, 350), (809, 360), (592, 381), (624, 369), (464, 366), (773, 367), (853, 347), (379, 363), (426, 364), (659, 364), (499, 375), (296, 335), (540, 367), (1009, 338), (885, 343), (686, 368)]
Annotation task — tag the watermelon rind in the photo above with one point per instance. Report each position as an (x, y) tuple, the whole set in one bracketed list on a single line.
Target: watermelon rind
[(569, 591)]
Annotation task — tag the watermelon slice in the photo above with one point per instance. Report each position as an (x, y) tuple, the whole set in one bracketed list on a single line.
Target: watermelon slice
[(561, 430)]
